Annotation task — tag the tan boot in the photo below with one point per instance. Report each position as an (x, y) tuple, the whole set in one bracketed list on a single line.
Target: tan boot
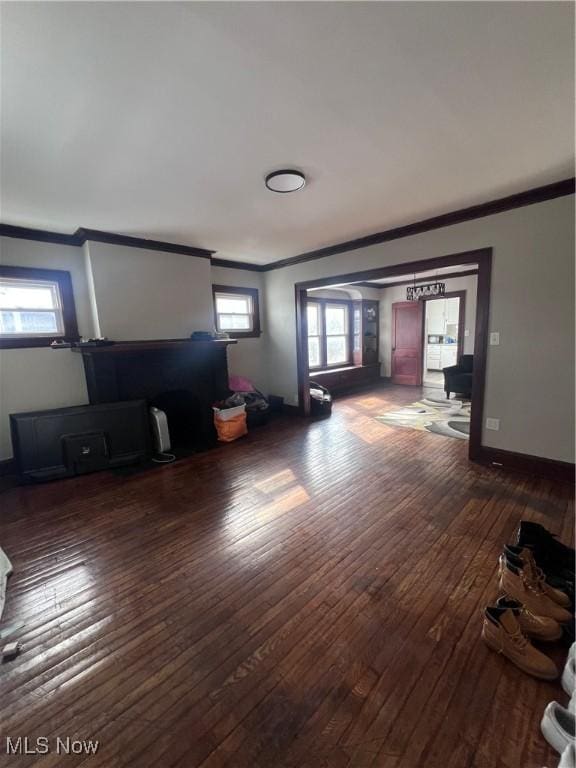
[(515, 583), (540, 628), (501, 633), (535, 574)]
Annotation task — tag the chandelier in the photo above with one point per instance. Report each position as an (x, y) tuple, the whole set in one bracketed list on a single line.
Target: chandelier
[(417, 292)]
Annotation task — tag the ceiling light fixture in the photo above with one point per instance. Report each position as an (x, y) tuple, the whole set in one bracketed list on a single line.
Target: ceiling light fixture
[(417, 292), (286, 180)]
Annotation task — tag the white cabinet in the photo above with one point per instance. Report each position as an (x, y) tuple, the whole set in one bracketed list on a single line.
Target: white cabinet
[(435, 316), (451, 310), (449, 355), (440, 313), (434, 357), (440, 356)]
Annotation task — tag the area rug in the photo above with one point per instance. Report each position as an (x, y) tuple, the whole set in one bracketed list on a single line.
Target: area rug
[(450, 418)]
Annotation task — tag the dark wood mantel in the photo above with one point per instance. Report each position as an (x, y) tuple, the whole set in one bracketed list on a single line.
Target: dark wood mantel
[(123, 347)]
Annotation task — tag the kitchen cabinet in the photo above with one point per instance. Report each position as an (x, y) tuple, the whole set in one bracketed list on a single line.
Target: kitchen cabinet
[(439, 356), (440, 313), (435, 316), (449, 355), (451, 310)]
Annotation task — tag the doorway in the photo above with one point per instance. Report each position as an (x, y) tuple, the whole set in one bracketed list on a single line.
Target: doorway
[(427, 336), (481, 259), (443, 335)]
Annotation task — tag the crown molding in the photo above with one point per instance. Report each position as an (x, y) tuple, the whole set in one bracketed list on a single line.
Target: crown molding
[(98, 236), (83, 235), (229, 264), (39, 235), (499, 205)]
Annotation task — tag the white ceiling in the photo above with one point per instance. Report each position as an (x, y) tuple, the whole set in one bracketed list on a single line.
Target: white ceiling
[(161, 119)]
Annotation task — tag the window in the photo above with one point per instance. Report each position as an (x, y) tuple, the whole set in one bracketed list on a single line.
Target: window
[(328, 333), (336, 326), (236, 311), (36, 307), (314, 339)]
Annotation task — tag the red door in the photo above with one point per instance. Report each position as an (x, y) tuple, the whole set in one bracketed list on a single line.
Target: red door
[(407, 342)]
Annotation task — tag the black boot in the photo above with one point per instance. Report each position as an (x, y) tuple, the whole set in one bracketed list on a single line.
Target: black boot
[(553, 557)]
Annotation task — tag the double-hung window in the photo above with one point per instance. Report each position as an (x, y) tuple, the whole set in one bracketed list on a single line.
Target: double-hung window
[(328, 333), (236, 311), (36, 307)]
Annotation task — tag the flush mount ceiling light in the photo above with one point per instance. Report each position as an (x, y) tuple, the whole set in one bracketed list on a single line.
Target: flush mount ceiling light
[(286, 180)]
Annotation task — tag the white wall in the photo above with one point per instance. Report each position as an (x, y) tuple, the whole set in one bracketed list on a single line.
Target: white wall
[(349, 292), (143, 294), (37, 378), (131, 293), (389, 296), (530, 376), (247, 358)]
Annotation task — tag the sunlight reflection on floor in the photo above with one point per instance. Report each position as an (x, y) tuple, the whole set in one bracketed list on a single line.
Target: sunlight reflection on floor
[(276, 495), (369, 402), (276, 481), (368, 429)]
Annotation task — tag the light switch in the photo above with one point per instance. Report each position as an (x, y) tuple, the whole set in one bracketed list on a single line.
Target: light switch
[(495, 338), (467, 332), (493, 424)]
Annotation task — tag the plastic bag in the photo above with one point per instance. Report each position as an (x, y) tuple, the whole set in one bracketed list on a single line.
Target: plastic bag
[(230, 429)]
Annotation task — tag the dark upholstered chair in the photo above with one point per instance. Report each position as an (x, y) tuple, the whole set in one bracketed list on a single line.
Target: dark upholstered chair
[(458, 378)]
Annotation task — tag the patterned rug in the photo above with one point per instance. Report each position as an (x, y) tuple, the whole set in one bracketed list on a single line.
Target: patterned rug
[(450, 418)]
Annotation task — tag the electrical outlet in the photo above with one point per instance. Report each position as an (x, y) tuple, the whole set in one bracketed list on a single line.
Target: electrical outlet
[(467, 332), (493, 424), (495, 338)]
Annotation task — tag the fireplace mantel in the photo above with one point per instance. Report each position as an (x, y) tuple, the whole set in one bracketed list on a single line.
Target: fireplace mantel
[(123, 347)]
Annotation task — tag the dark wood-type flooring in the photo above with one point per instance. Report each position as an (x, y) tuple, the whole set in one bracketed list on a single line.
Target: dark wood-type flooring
[(308, 596)]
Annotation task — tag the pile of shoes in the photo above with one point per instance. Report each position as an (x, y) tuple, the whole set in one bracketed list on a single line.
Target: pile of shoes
[(536, 604)]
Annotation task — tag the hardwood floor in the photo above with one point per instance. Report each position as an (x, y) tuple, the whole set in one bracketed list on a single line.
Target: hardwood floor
[(309, 596)]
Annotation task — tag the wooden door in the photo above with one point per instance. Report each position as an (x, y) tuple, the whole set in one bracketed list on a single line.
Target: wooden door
[(407, 352)]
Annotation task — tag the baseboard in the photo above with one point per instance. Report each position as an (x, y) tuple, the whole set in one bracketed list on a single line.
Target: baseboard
[(7, 467), (562, 471), (290, 410)]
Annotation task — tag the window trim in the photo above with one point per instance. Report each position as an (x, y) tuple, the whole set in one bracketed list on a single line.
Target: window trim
[(322, 302), (319, 335), (64, 282), (256, 330)]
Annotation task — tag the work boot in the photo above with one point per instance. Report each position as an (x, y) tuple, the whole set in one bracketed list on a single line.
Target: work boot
[(501, 633), (525, 556), (515, 583), (550, 554), (540, 628)]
